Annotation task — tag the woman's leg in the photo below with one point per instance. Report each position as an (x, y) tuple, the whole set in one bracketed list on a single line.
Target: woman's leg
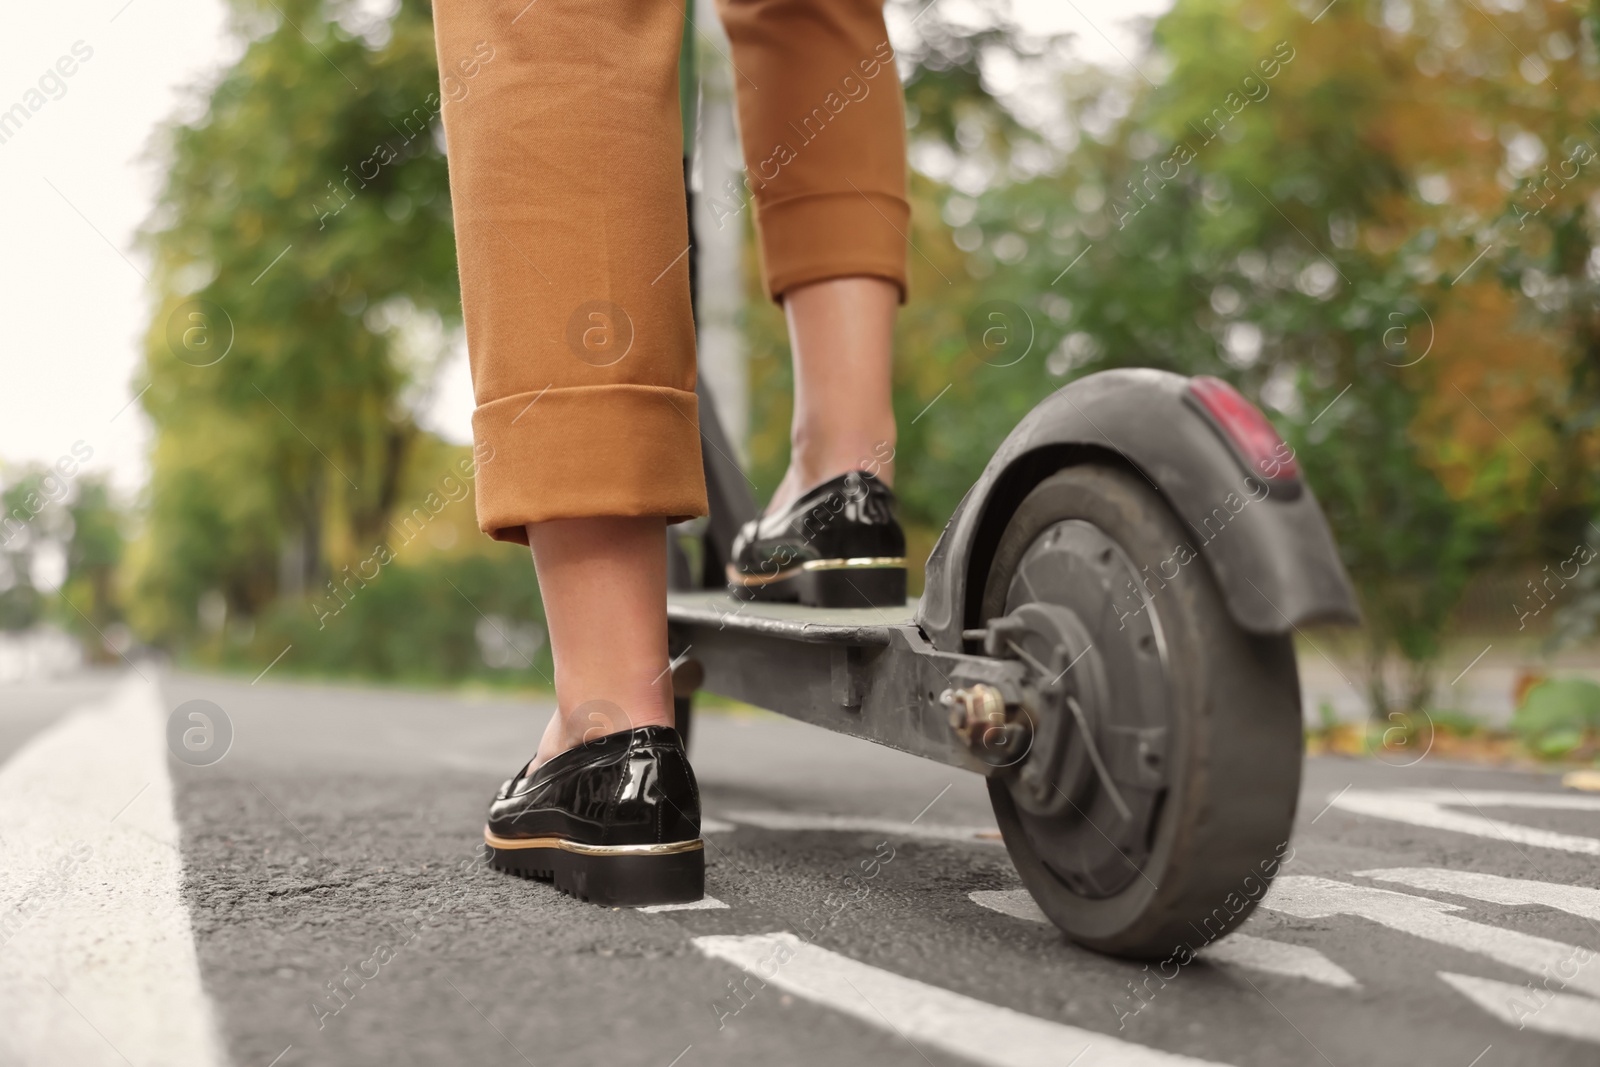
[(842, 334), (604, 586), (565, 152), (823, 125)]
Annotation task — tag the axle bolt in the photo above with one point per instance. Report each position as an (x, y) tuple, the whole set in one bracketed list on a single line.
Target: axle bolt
[(974, 711)]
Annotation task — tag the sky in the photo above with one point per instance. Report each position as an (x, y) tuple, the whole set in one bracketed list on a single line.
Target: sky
[(77, 181)]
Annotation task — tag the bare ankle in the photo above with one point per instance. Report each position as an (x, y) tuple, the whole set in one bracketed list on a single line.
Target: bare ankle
[(593, 719), (810, 466)]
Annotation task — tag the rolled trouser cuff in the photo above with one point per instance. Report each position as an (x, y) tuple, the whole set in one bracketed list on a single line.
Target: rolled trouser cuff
[(585, 452), (819, 236)]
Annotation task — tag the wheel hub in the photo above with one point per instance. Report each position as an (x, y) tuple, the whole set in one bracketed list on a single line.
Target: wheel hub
[(1090, 786)]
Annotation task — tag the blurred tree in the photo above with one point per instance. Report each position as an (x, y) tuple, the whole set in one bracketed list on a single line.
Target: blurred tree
[(305, 265), (26, 526), (1379, 217), (440, 619), (1391, 168), (1297, 200), (93, 553), (60, 533)]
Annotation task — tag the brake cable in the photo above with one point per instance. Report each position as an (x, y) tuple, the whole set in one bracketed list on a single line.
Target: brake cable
[(1082, 720)]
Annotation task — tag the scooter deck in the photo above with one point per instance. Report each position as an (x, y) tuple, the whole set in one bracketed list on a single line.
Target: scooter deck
[(866, 672), (794, 622)]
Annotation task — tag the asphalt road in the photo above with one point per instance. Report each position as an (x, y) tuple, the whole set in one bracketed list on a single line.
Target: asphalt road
[(313, 897)]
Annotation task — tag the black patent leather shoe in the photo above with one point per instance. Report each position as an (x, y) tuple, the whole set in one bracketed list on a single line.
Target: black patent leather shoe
[(837, 546), (615, 821)]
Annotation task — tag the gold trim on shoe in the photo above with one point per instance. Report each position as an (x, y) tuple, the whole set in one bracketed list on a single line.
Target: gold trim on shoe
[(737, 577), (856, 561), (666, 848)]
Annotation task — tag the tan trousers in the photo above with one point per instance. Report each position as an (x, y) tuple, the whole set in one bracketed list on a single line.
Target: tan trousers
[(565, 148)]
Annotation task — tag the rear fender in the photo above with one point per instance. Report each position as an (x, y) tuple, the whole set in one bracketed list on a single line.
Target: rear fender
[(1266, 542)]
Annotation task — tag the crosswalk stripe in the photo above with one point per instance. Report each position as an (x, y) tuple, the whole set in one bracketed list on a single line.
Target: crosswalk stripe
[(1573, 899), (1438, 809), (1508, 798), (1278, 957), (1017, 903), (1531, 1009), (99, 963), (1237, 950), (1309, 897), (927, 1015), (706, 903)]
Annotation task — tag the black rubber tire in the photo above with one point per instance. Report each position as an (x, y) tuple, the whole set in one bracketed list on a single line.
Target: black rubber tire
[(1236, 743)]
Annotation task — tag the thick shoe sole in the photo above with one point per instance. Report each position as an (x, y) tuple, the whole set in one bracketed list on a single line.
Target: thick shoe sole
[(830, 584), (616, 876)]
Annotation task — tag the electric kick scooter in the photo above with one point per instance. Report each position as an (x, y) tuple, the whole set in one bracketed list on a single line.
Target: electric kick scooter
[(1105, 634)]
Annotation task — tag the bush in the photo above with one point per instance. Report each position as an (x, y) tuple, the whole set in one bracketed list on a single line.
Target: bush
[(1557, 715), (438, 621)]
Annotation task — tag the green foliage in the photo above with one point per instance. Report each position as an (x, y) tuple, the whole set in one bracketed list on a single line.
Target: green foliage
[(1409, 546), (305, 262), (30, 521), (55, 520), (1557, 715), (93, 553), (1286, 203), (1456, 723), (1265, 212), (948, 100), (426, 623)]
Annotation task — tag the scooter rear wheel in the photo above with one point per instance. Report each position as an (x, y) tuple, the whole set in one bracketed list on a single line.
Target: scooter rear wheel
[(1201, 822)]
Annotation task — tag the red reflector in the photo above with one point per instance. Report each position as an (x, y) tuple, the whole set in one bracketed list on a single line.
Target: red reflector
[(1247, 428)]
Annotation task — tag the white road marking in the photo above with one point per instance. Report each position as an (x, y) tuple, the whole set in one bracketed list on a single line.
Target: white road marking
[(799, 820), (1497, 798), (927, 1015), (1279, 957), (1436, 809), (709, 825), (1573, 899), (703, 904), (1017, 903), (1532, 1009), (1237, 950), (1309, 897), (99, 963)]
